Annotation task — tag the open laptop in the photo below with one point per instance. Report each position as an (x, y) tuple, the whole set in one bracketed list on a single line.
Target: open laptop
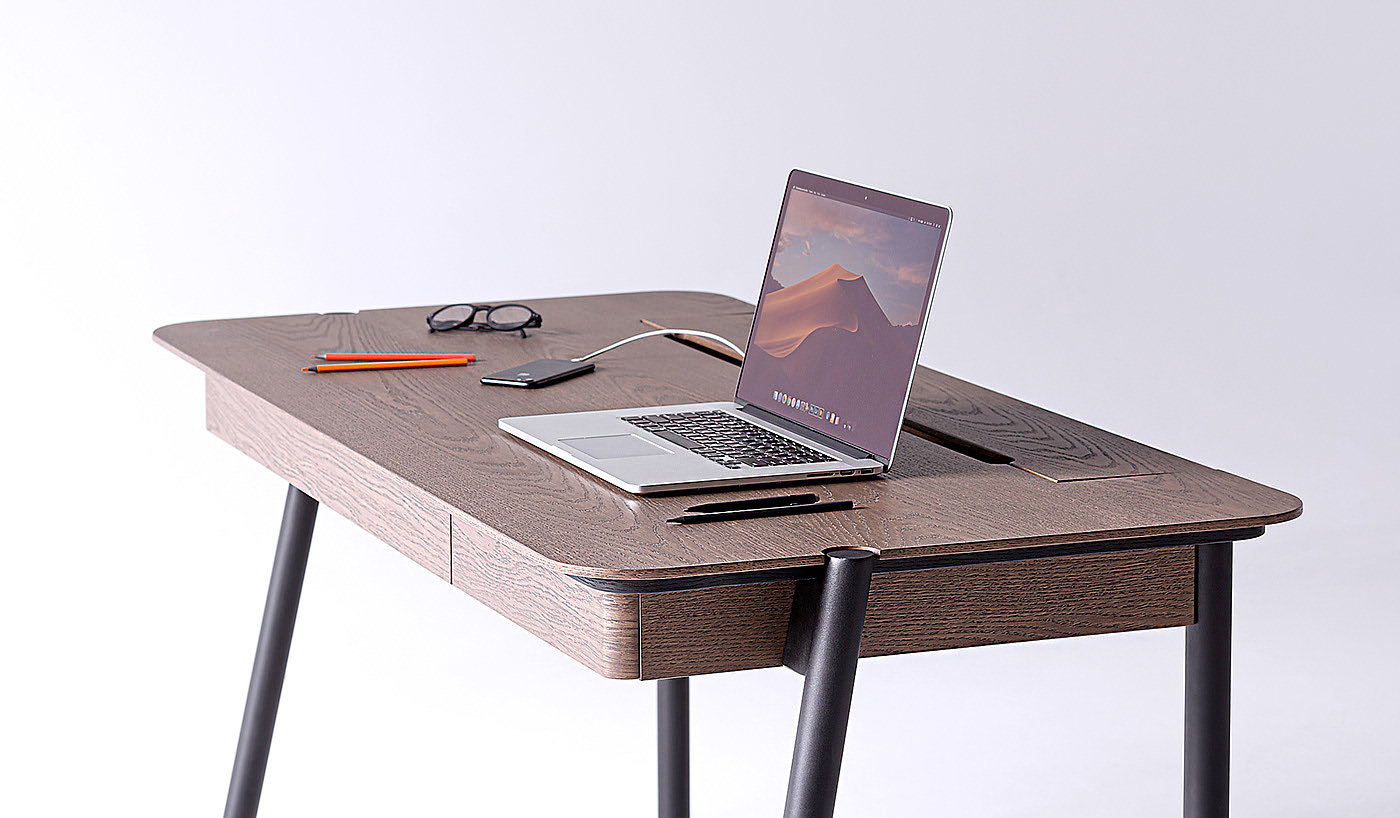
[(827, 369)]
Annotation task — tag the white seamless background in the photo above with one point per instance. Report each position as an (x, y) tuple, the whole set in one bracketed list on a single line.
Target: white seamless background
[(1175, 221)]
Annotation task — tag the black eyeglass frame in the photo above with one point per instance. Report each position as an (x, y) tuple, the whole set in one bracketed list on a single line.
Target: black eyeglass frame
[(469, 323)]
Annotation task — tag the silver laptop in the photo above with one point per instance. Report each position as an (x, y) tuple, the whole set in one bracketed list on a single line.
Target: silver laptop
[(827, 368)]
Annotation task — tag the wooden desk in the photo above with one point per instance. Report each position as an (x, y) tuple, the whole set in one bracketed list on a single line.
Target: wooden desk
[(1001, 522)]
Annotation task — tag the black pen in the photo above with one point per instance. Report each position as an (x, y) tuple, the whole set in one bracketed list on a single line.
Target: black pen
[(757, 502), (771, 511)]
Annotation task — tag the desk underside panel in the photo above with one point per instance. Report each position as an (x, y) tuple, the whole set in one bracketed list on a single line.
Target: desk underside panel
[(714, 630)]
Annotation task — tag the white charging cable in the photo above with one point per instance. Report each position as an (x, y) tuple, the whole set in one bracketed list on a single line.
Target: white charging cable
[(656, 332)]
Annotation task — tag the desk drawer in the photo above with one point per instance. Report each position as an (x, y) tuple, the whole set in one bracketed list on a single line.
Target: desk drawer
[(713, 630)]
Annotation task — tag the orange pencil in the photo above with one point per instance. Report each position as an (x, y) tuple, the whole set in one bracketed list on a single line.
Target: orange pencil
[(393, 356), (387, 365)]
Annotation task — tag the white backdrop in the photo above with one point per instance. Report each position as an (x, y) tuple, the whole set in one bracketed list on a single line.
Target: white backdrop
[(1177, 223)]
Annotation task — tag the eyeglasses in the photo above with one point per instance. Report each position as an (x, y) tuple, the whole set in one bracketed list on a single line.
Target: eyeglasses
[(501, 318)]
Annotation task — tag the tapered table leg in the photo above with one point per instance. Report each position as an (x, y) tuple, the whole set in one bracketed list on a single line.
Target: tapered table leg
[(270, 661), (673, 747), (1208, 686), (830, 668)]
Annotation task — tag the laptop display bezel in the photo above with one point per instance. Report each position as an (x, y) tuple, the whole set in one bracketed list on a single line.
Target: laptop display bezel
[(876, 200)]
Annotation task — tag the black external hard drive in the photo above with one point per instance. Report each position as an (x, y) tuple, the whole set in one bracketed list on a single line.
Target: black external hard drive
[(539, 373)]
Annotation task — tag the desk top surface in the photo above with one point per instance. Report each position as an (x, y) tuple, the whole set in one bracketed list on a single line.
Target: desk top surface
[(1066, 482)]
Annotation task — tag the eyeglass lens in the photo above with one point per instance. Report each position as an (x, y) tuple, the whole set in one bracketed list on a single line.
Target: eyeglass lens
[(453, 316), (508, 316)]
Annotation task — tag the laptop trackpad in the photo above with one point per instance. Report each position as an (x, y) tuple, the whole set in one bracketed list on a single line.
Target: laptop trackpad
[(606, 447)]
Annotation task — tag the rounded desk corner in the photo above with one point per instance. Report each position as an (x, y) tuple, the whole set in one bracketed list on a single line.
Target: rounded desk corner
[(162, 334), (617, 660), (1276, 505), (1294, 510)]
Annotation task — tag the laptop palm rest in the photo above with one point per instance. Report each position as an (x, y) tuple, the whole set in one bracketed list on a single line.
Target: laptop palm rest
[(606, 447)]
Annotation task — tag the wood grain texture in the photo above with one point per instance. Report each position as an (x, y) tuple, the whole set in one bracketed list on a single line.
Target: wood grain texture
[(597, 629), (715, 630), (1037, 440), (436, 431), (379, 501)]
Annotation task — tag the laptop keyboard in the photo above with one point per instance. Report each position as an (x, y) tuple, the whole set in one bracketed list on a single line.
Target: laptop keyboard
[(727, 440)]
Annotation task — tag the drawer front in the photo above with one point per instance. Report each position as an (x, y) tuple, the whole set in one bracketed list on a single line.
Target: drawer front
[(713, 630)]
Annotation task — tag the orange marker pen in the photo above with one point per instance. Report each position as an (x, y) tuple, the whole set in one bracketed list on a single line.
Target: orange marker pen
[(387, 365), (393, 356)]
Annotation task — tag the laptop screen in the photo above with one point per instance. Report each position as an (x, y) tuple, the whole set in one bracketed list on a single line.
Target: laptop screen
[(841, 313)]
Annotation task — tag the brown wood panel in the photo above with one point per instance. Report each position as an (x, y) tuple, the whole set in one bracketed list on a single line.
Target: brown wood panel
[(436, 431), (597, 629), (714, 630), (357, 488), (1033, 599), (1042, 442)]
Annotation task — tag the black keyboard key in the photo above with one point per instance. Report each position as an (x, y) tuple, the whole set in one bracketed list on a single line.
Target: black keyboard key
[(679, 440)]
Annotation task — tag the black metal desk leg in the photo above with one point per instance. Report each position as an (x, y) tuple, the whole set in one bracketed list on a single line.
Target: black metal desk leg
[(673, 747), (830, 667), (1208, 686), (270, 661)]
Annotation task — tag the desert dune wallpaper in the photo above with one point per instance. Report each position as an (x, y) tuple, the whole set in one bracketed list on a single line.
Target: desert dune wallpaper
[(840, 318)]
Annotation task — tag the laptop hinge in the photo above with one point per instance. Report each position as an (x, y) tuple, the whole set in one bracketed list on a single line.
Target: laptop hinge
[(798, 429)]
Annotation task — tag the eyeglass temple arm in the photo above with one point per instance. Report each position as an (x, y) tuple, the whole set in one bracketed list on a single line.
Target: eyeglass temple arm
[(656, 332)]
